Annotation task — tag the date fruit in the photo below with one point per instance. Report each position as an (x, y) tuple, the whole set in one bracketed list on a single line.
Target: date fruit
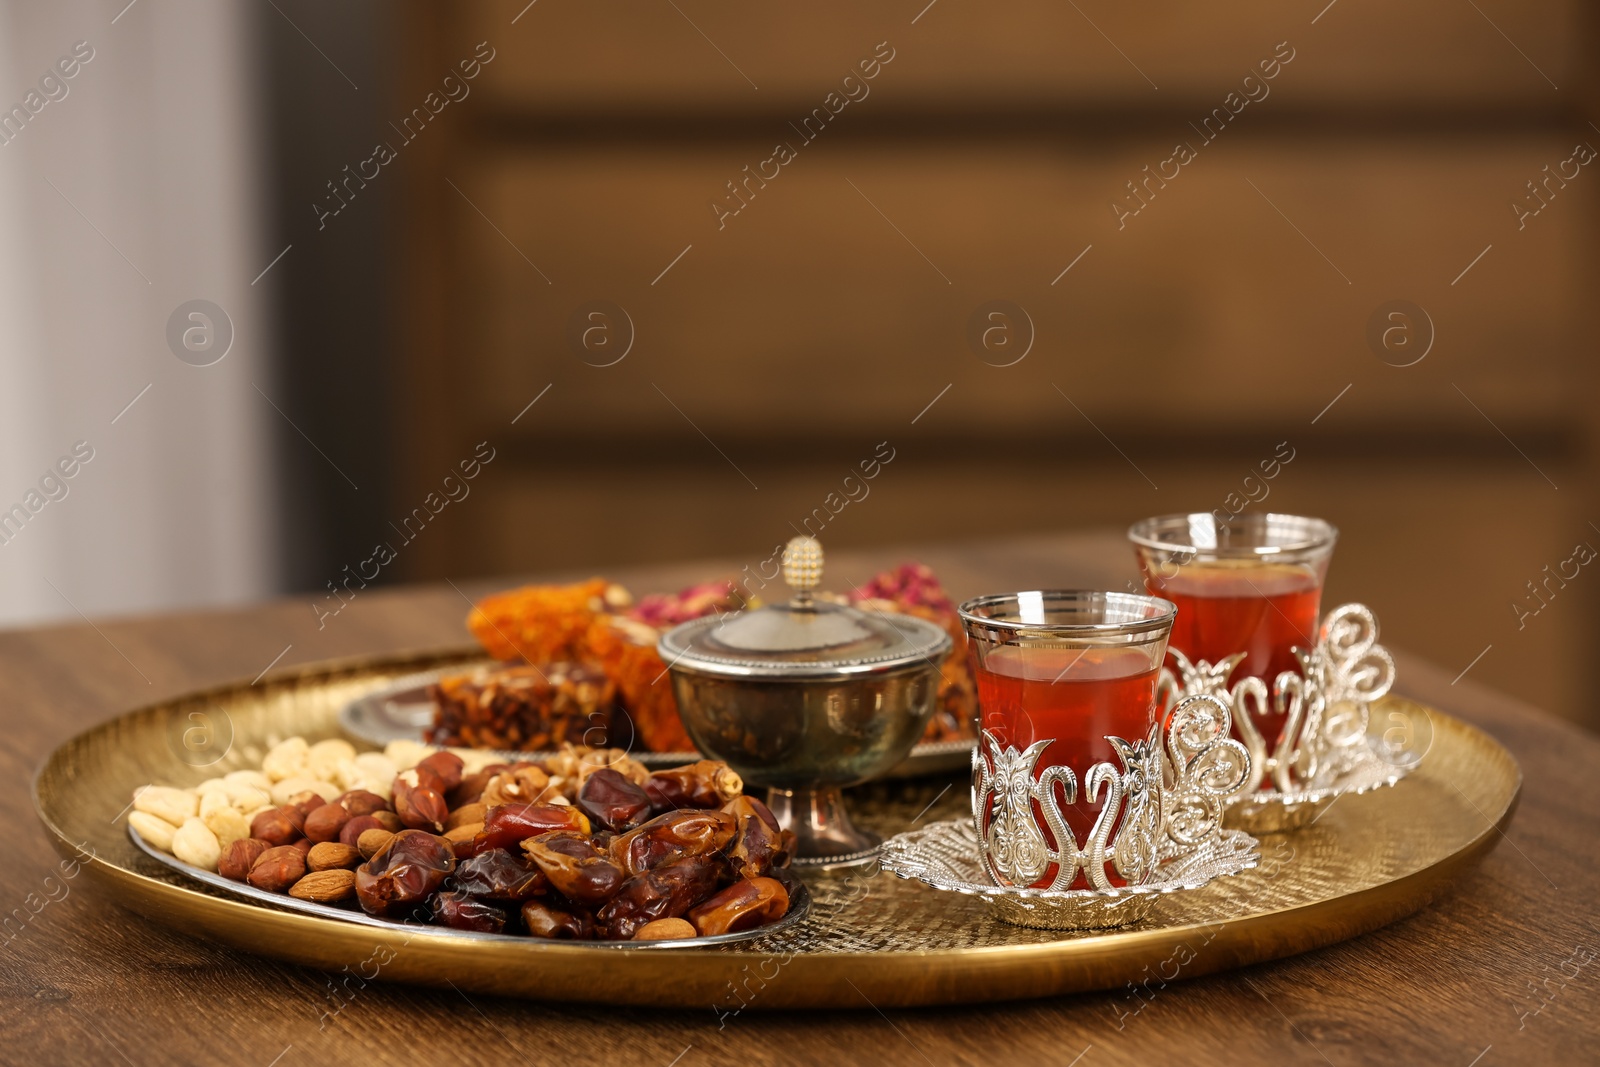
[(410, 868), (744, 905), (576, 869), (542, 920), (500, 875), (758, 844), (508, 824), (612, 801), (461, 912), (705, 784), (664, 893), (673, 836), (278, 868)]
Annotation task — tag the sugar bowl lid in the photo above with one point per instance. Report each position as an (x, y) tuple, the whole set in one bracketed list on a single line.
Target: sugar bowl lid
[(806, 638)]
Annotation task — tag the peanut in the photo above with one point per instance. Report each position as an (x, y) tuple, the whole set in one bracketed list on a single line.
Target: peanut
[(157, 833), (406, 754), (164, 802), (195, 844), (324, 757), (212, 800), (228, 823), (287, 759)]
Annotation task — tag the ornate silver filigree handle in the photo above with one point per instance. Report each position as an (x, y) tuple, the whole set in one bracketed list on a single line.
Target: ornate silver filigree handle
[(1206, 767), (1325, 705)]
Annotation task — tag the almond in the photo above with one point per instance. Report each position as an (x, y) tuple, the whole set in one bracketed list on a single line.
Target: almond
[(331, 855), (372, 842), (463, 833), (464, 815), (325, 887), (666, 930)]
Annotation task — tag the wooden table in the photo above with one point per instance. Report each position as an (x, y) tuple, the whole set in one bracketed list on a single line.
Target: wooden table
[(1504, 970)]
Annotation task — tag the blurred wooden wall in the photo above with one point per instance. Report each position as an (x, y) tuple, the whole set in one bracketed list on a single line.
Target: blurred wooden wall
[(774, 349)]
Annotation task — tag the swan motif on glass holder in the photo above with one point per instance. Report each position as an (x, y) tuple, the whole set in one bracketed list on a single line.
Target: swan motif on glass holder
[(1159, 826)]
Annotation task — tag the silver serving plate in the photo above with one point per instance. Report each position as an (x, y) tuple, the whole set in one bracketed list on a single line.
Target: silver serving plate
[(402, 710), (799, 906), (946, 856)]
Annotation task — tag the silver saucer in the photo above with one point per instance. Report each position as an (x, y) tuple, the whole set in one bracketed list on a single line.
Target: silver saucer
[(945, 856)]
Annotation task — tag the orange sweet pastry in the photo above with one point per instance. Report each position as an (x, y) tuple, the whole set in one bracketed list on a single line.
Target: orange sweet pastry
[(543, 623), (626, 650)]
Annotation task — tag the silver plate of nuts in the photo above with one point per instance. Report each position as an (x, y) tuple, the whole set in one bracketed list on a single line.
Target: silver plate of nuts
[(799, 906)]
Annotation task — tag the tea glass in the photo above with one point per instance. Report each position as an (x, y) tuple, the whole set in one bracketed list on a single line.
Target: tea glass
[(1246, 584), (1066, 683)]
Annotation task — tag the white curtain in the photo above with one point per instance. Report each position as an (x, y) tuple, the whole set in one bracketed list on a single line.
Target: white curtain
[(132, 189)]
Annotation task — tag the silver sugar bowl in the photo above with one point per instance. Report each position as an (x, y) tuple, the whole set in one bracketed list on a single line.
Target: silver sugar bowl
[(806, 698)]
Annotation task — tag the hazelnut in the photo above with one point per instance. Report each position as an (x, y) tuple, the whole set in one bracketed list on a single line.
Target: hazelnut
[(238, 857), (444, 766), (389, 821), (361, 802), (276, 826), (418, 804), (276, 869), (325, 822), (357, 826)]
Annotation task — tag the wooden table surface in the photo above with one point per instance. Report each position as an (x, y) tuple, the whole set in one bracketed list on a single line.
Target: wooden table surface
[(1503, 970)]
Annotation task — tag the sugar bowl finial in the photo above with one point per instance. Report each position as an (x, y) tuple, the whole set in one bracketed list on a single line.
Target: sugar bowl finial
[(802, 566)]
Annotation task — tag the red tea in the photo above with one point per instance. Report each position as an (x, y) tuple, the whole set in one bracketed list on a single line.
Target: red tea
[(1264, 611), (1077, 697)]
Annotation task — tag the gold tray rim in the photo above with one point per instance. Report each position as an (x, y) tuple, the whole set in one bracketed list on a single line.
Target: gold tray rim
[(697, 977)]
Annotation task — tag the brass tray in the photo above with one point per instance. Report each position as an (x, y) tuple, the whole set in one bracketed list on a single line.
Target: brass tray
[(400, 709), (870, 939)]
